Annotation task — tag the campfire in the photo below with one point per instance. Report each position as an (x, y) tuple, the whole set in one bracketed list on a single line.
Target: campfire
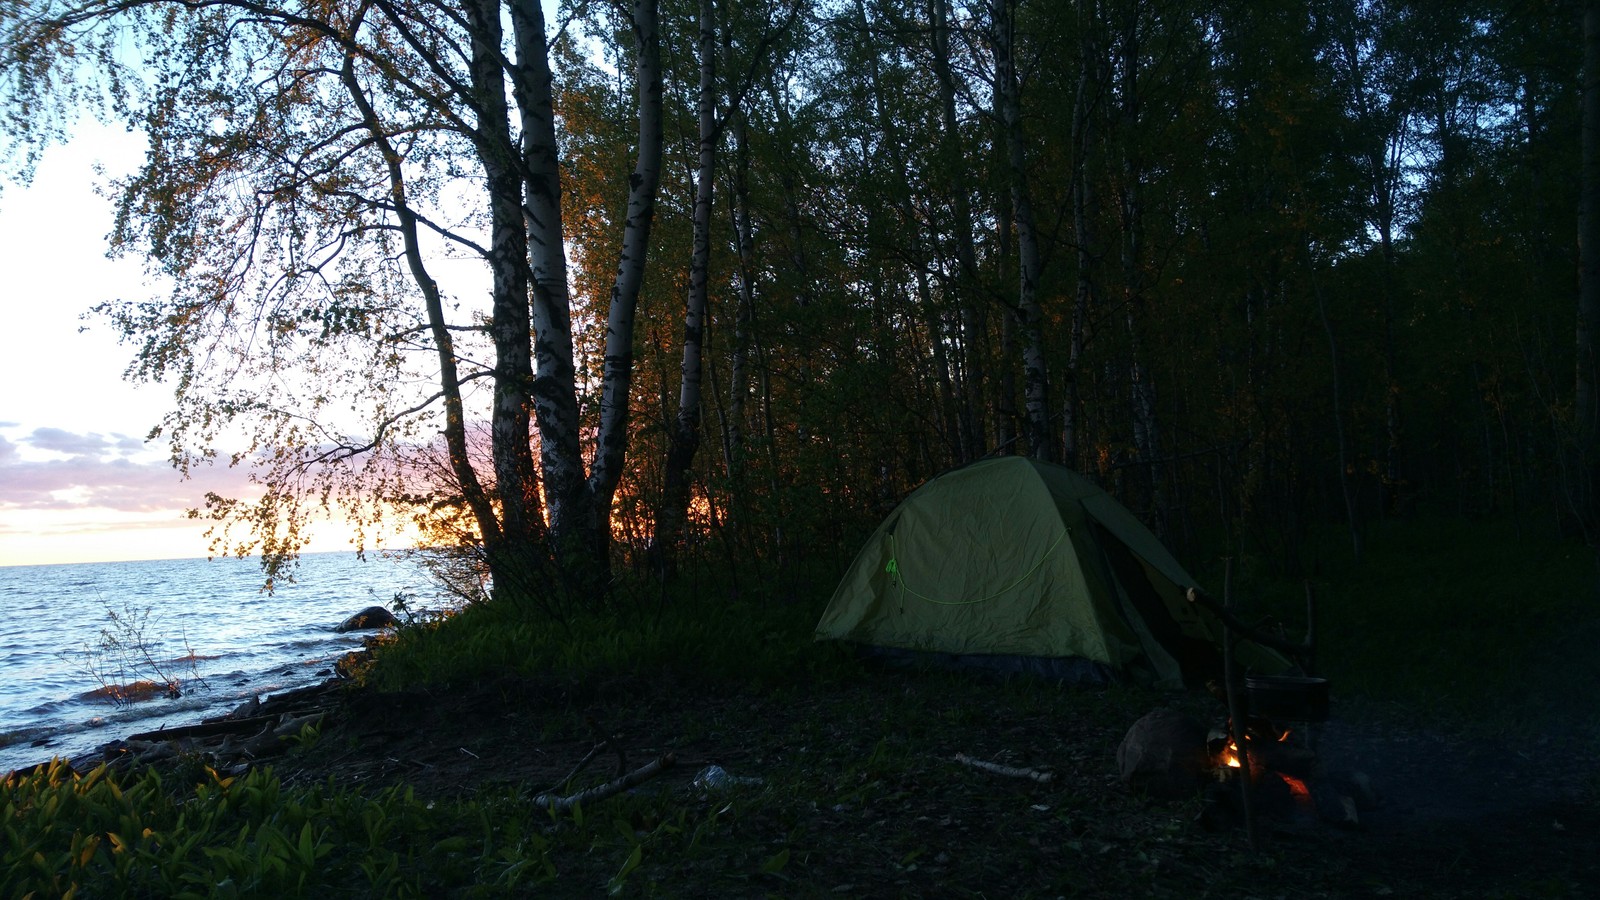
[(1288, 781), (1282, 767), (1263, 764)]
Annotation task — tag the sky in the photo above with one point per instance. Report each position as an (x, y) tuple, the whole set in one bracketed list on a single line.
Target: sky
[(77, 481)]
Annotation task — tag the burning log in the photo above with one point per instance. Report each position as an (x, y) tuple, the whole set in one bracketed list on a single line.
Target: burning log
[(1284, 758), (1288, 782)]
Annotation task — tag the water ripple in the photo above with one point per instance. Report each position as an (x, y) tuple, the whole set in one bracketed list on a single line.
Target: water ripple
[(243, 642)]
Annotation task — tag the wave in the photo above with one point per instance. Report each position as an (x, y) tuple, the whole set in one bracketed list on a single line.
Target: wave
[(211, 617)]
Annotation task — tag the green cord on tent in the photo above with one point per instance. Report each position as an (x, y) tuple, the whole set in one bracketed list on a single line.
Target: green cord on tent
[(893, 568)]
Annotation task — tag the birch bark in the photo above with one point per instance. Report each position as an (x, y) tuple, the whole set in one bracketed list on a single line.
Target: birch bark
[(684, 436), (617, 372), (1035, 368)]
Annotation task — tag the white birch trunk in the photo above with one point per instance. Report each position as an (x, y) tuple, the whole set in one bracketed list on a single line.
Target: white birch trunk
[(1035, 369), (568, 502), (684, 437), (617, 372), (515, 560)]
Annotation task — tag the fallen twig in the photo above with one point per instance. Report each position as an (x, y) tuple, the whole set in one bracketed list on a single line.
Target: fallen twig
[(1008, 771), (576, 770), (608, 740), (558, 803)]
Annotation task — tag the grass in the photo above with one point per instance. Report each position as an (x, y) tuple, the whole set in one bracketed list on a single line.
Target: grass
[(859, 794), (690, 638)]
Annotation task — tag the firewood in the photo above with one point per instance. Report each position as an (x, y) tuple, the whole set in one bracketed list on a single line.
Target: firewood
[(1296, 762), (558, 803), (1008, 771)]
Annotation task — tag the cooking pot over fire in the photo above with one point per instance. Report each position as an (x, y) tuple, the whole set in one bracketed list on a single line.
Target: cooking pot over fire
[(1291, 698)]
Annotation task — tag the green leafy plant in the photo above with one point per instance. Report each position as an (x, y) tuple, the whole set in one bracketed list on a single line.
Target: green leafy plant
[(143, 835)]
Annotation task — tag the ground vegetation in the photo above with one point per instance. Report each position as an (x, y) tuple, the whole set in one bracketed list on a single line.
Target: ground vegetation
[(841, 779)]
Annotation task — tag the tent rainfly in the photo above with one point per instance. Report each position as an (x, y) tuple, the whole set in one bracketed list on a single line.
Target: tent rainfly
[(1020, 565)]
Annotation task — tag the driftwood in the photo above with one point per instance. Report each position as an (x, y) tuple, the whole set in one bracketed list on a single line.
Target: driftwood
[(1008, 771), (558, 803), (271, 739), (258, 727), (206, 729), (249, 738), (576, 770)]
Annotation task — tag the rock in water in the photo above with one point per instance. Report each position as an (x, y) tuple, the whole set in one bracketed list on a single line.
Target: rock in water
[(245, 710), (1164, 755), (369, 618)]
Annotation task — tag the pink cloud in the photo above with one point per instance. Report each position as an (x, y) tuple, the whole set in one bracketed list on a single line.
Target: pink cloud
[(59, 440), (99, 475)]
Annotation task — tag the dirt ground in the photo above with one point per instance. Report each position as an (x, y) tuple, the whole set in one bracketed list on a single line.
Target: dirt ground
[(860, 787)]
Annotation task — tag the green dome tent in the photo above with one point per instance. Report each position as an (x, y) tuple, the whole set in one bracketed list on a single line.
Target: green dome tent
[(1018, 564)]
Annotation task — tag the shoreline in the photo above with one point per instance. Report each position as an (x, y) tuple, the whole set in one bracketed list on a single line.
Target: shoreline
[(235, 741), (261, 726)]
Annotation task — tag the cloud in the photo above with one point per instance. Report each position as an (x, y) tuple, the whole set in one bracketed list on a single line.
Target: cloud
[(8, 450), (90, 482), (59, 440)]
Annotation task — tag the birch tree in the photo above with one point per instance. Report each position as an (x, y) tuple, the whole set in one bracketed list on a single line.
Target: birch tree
[(683, 436), (1035, 367), (310, 166)]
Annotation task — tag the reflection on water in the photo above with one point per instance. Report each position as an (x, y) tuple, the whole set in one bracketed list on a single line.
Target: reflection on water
[(209, 618)]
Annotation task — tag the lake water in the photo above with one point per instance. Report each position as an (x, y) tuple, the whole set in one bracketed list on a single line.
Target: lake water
[(206, 622)]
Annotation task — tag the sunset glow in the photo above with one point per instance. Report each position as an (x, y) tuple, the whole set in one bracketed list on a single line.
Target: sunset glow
[(78, 482)]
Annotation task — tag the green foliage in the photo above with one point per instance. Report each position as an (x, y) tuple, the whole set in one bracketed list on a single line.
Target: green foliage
[(694, 638), (134, 836), (105, 834), (1462, 617), (1304, 267)]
